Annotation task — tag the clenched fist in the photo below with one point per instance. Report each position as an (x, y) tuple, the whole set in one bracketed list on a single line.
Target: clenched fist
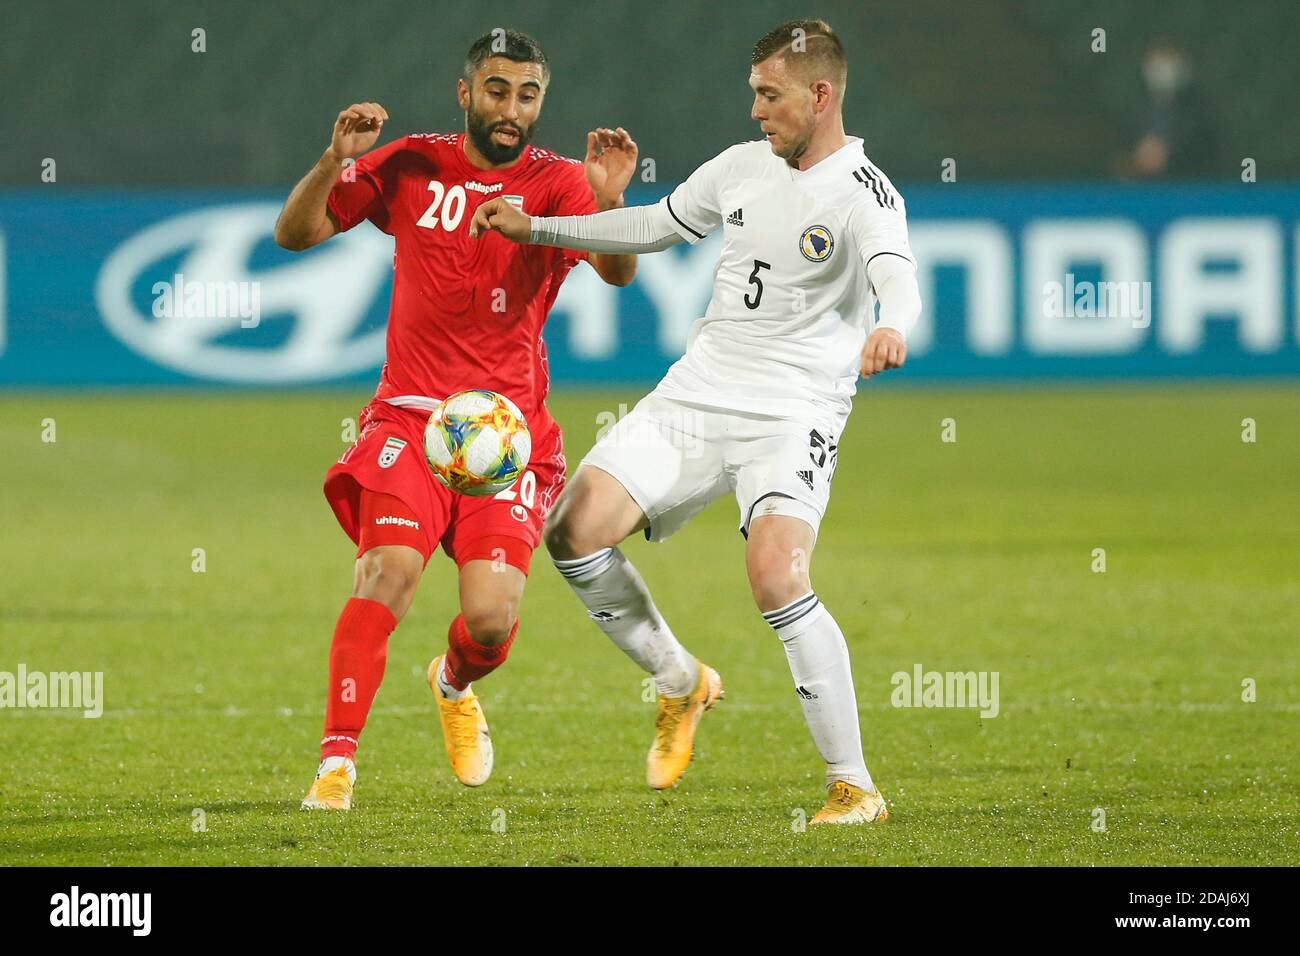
[(497, 215), (885, 349)]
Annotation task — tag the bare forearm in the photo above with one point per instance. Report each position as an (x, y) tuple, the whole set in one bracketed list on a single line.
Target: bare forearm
[(305, 221)]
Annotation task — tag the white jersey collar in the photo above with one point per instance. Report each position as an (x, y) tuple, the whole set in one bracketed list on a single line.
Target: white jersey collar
[(850, 152)]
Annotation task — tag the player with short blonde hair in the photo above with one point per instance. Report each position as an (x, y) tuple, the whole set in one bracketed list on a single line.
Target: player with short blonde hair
[(814, 234)]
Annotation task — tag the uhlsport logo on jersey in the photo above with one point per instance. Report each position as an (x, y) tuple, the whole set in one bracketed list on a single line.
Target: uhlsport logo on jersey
[(388, 454), (398, 520), (816, 243)]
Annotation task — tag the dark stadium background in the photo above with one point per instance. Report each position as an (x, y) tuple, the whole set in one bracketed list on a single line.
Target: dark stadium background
[(1009, 86)]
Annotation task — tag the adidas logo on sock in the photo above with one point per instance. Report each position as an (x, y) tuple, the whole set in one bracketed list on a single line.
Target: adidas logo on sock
[(737, 218), (805, 693), (806, 478)]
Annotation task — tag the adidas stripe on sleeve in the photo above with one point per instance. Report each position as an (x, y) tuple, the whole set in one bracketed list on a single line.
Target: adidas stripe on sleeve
[(878, 219)]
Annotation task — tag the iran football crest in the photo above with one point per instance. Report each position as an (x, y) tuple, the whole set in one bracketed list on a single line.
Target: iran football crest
[(388, 454)]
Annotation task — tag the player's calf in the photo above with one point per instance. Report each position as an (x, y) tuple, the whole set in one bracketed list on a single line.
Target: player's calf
[(594, 513), (384, 583), (777, 555), (480, 637)]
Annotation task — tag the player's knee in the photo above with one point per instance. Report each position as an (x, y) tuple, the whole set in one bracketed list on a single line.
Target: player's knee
[(490, 625), (388, 579), (565, 538), (777, 576), (776, 590), (592, 513)]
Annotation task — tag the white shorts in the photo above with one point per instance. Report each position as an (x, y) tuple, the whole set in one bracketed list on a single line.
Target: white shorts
[(674, 458)]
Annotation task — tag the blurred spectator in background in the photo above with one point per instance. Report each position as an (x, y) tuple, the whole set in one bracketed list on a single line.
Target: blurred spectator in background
[(1177, 136)]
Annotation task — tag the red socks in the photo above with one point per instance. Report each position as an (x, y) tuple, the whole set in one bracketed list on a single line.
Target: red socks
[(357, 659), (468, 660)]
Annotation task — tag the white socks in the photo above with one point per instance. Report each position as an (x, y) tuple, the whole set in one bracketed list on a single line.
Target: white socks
[(819, 663), (618, 601)]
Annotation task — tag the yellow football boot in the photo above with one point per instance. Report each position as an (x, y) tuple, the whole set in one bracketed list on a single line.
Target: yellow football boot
[(849, 804), (331, 790), (675, 723), (465, 732)]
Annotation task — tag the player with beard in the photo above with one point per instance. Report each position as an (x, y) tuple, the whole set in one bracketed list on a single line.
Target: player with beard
[(464, 314)]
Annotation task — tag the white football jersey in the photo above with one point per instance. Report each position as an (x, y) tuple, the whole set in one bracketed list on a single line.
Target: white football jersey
[(791, 299)]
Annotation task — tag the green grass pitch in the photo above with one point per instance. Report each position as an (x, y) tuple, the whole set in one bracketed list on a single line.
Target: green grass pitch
[(1120, 690)]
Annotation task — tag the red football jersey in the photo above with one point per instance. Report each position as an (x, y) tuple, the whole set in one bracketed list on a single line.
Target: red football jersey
[(465, 313)]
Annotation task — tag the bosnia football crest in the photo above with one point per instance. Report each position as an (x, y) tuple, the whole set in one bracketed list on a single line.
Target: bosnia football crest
[(388, 454), (816, 243)]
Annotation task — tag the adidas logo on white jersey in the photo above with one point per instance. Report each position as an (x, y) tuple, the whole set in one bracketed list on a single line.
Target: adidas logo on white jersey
[(737, 218)]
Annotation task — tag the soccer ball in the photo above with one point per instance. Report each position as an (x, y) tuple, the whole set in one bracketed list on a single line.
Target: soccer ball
[(477, 442)]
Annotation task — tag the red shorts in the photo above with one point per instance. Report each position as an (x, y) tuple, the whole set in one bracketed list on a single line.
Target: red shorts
[(388, 460)]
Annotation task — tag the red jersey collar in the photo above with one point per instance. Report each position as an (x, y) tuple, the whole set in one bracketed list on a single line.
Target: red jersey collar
[(473, 172)]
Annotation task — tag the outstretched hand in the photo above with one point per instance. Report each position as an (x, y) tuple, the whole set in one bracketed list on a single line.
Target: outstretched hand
[(610, 163), (356, 129)]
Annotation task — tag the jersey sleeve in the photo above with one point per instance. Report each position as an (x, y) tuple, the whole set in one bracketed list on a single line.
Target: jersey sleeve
[(366, 189), (572, 197), (879, 226), (694, 206)]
